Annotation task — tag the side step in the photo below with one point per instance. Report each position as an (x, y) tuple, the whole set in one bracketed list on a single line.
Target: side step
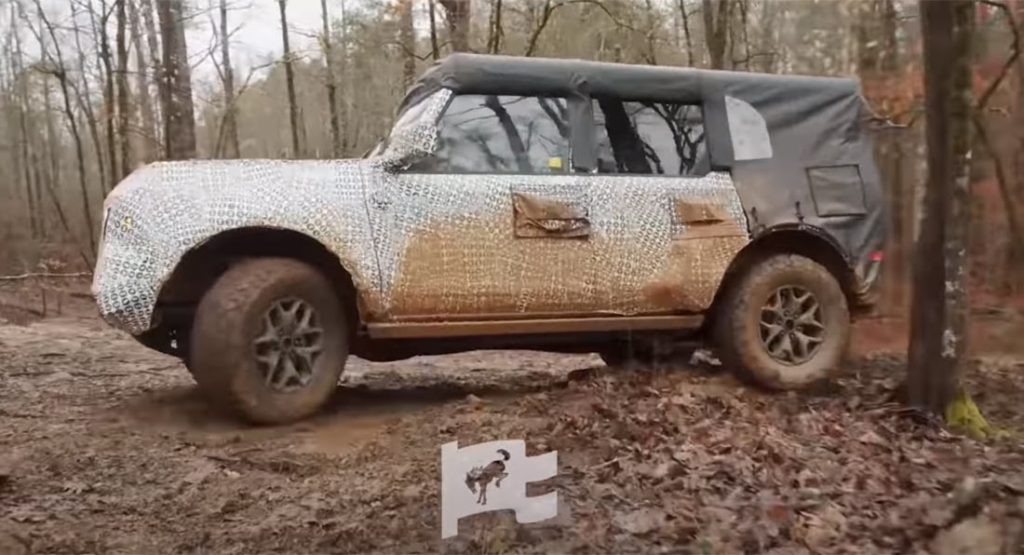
[(408, 330)]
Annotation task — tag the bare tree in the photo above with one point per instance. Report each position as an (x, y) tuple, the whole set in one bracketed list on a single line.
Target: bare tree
[(938, 315), (435, 48), (495, 30), (458, 14), (24, 139), (176, 97), (716, 30), (83, 96), (100, 30), (685, 18), (227, 140), (289, 72), (148, 130), (55, 66), (123, 92), (407, 38), (331, 85), (153, 43)]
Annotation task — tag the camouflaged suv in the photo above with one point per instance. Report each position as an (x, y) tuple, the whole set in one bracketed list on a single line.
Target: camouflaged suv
[(547, 204)]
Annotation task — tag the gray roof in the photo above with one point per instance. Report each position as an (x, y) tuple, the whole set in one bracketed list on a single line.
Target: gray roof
[(492, 74)]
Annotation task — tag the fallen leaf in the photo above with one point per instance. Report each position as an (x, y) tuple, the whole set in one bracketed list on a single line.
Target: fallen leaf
[(641, 521), (974, 536)]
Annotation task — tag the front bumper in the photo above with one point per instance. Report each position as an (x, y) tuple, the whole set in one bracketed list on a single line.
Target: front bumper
[(124, 299), (123, 283)]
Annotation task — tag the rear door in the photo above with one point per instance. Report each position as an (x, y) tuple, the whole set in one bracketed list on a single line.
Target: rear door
[(671, 225)]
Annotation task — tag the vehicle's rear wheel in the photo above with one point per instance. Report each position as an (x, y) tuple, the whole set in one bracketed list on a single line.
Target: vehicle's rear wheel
[(269, 340), (784, 324)]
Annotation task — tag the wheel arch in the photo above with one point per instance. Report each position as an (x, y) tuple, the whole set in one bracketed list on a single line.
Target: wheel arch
[(803, 240), (202, 265)]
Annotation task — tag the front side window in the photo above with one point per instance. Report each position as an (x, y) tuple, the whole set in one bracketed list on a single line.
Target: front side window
[(659, 138), (502, 134)]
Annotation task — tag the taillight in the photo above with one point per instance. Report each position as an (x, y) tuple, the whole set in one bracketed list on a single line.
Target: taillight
[(876, 256)]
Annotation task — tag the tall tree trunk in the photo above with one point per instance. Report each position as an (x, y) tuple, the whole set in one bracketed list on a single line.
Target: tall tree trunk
[(685, 17), (407, 37), (178, 111), (123, 93), (229, 129), (153, 42), (890, 42), (148, 132), (332, 86), (458, 12), (60, 72), (85, 100), (744, 32), (108, 92), (939, 311), (495, 30), (24, 137), (289, 75), (768, 42), (435, 49), (716, 30)]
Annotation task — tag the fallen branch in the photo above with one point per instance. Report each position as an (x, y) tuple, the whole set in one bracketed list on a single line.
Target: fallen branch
[(45, 275)]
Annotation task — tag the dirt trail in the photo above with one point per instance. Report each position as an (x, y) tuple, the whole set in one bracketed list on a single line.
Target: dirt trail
[(107, 447)]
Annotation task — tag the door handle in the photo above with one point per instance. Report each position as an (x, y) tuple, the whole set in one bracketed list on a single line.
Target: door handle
[(538, 216)]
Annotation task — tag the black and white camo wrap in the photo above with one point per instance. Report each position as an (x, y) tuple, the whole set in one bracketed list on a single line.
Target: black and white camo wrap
[(425, 245)]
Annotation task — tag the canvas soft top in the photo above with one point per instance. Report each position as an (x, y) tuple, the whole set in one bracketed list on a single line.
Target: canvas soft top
[(492, 74), (796, 145)]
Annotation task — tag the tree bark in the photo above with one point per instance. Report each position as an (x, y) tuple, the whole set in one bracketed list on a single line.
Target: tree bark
[(229, 129), (435, 49), (458, 14), (685, 17), (407, 36), (24, 139), (123, 92), (332, 86), (939, 310), (178, 110), (153, 42), (289, 73), (150, 143), (716, 30), (109, 113), (494, 29), (59, 71), (84, 98)]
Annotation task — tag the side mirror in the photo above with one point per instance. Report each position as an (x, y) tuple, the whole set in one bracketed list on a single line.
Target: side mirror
[(409, 145)]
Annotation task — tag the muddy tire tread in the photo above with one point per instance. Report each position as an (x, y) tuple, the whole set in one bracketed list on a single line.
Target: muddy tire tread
[(739, 347), (217, 338)]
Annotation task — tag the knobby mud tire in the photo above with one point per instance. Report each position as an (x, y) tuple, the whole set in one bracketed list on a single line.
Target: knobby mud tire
[(737, 329), (229, 318)]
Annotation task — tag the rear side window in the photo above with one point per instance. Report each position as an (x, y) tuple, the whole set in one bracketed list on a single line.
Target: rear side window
[(502, 134), (658, 138)]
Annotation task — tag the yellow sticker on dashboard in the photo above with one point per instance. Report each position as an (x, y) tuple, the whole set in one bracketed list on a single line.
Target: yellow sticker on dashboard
[(555, 163)]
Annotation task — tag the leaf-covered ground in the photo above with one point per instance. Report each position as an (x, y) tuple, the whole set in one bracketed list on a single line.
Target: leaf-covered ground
[(107, 447)]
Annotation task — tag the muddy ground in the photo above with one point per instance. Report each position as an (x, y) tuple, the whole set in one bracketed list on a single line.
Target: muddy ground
[(106, 447)]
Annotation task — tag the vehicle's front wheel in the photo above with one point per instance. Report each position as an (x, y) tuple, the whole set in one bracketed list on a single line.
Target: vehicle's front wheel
[(784, 324), (269, 340)]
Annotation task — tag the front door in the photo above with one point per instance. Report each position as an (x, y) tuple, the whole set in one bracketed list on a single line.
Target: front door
[(494, 224)]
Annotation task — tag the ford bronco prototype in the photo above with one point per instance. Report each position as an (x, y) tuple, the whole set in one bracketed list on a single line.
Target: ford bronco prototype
[(544, 204)]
